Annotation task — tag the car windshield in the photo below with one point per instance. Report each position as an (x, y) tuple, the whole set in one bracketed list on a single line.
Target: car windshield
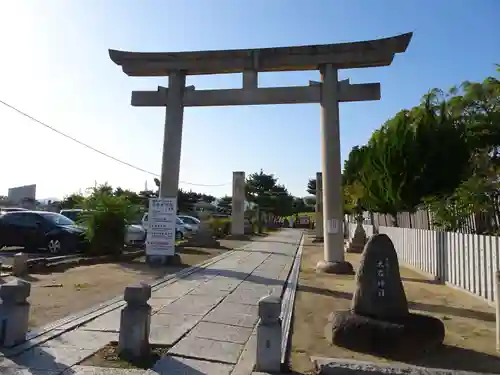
[(189, 220), (56, 219), (72, 215), (179, 221)]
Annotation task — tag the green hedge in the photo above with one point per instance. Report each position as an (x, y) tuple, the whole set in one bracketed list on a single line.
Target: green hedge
[(220, 227)]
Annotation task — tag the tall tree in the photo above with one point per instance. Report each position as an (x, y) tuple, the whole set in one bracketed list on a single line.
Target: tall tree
[(224, 204), (207, 198), (299, 205), (311, 186), (71, 201), (187, 199), (259, 189), (281, 201)]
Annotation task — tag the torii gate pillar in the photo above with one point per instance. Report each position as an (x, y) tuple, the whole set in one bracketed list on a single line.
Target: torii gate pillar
[(319, 207), (172, 136), (332, 194), (238, 205)]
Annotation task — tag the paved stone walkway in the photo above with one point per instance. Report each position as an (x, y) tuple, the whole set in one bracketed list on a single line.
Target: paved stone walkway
[(208, 319)]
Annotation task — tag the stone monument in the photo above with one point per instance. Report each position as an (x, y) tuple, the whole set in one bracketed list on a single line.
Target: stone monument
[(379, 321), (358, 242)]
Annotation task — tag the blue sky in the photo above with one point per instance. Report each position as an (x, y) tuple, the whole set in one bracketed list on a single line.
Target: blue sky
[(55, 66)]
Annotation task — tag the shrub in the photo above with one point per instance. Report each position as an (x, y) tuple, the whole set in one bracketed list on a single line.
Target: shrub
[(220, 227), (105, 218)]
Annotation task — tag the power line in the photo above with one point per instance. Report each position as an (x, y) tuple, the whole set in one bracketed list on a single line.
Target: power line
[(95, 149)]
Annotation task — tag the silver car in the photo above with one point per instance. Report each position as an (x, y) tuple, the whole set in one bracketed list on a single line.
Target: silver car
[(192, 221), (134, 235)]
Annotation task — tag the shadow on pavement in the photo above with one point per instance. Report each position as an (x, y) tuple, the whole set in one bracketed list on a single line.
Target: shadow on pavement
[(38, 360)]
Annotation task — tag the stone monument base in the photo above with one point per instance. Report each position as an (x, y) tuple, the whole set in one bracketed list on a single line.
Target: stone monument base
[(339, 268), (358, 242), (355, 247), (398, 339)]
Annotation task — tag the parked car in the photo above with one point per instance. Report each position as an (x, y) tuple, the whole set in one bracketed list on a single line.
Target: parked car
[(181, 229), (134, 235), (192, 221), (41, 229)]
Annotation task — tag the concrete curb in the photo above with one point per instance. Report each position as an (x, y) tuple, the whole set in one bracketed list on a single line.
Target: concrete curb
[(73, 260), (339, 366), (288, 303)]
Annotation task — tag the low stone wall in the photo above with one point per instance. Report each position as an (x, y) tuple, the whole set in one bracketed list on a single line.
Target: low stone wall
[(22, 265)]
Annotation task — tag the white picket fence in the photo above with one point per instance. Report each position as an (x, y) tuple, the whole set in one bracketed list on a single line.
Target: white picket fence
[(466, 261)]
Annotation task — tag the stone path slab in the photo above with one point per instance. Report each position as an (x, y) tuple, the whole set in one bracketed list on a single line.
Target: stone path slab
[(90, 370), (207, 349), (167, 329), (51, 358), (192, 304), (207, 317), (221, 332), (236, 314), (185, 366)]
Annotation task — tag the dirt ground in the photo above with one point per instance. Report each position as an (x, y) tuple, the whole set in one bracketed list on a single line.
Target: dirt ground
[(56, 295), (470, 322)]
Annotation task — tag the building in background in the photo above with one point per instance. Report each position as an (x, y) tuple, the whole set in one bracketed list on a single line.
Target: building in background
[(23, 196)]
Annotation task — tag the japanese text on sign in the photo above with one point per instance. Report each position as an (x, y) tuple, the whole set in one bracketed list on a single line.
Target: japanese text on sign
[(161, 231), (382, 269)]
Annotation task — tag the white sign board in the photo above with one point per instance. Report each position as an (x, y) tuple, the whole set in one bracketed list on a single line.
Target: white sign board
[(162, 216), (304, 220), (333, 226)]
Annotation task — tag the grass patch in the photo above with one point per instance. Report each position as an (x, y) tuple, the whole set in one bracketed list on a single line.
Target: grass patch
[(81, 286), (108, 357)]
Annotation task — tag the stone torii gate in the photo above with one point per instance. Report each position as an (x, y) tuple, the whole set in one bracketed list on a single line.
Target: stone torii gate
[(329, 93)]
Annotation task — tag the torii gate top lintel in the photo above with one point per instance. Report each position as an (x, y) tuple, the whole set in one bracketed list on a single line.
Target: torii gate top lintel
[(364, 54)]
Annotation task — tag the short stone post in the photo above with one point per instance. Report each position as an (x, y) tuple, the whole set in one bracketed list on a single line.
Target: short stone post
[(497, 304), (14, 312), (133, 341), (20, 264), (268, 356)]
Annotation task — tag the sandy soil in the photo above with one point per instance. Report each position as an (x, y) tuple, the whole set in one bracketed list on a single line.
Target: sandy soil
[(470, 322), (56, 295)]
